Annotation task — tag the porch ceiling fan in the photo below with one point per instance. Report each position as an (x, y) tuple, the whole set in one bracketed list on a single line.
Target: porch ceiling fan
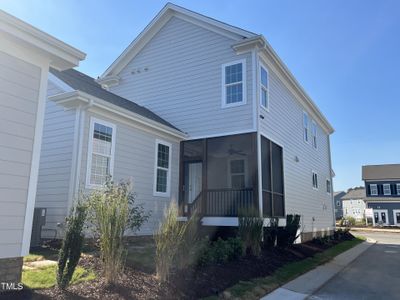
[(233, 151)]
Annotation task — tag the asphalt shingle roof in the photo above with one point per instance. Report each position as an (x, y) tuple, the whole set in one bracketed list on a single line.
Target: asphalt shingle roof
[(356, 193), (82, 82)]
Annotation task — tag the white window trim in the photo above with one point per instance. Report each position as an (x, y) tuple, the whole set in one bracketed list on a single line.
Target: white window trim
[(244, 84), (398, 188), (230, 173), (262, 66), (168, 192), (90, 150), (394, 216), (314, 125), (330, 186), (376, 188), (315, 173), (305, 126), (390, 189)]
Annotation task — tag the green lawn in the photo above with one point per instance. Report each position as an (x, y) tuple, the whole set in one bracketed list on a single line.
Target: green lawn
[(45, 277), (256, 288)]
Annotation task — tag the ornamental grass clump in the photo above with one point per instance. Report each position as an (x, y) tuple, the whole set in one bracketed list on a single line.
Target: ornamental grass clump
[(71, 248), (113, 212), (250, 230)]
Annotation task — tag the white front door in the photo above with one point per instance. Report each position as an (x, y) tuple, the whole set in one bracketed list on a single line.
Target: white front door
[(195, 180), (381, 216)]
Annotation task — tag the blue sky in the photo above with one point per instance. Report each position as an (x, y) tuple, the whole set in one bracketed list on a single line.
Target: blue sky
[(345, 53)]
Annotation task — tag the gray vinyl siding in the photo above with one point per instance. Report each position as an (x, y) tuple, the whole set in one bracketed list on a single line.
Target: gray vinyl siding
[(183, 83), (55, 162), (134, 160), (19, 91), (283, 124)]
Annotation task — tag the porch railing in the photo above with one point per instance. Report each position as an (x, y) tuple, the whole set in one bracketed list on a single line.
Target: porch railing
[(222, 202)]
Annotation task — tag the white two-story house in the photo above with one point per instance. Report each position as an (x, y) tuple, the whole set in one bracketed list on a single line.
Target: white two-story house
[(197, 111)]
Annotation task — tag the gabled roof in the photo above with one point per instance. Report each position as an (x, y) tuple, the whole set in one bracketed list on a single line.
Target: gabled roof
[(338, 195), (82, 82), (170, 10), (381, 172), (356, 193)]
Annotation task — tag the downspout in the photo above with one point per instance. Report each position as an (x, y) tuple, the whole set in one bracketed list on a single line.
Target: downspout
[(77, 159)]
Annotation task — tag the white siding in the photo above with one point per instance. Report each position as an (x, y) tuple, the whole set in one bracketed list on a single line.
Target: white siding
[(354, 208), (19, 91), (55, 162), (134, 160), (283, 124), (183, 83)]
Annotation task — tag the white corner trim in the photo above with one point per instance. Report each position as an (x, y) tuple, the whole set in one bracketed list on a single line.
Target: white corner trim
[(168, 192), (244, 84), (33, 178), (94, 120)]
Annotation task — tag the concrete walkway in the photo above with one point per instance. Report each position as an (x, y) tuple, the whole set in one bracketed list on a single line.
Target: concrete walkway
[(305, 285), (372, 229)]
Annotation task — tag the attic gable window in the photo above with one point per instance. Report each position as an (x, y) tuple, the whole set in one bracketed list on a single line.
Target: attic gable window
[(234, 83)]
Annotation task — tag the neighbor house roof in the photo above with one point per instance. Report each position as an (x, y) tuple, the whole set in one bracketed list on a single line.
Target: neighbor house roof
[(356, 193), (82, 82), (381, 172), (339, 194)]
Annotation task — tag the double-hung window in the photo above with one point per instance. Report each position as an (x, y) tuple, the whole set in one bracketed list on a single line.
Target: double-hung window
[(305, 127), (234, 83), (264, 90), (315, 180), (100, 152), (314, 134), (328, 186), (386, 189), (373, 189), (162, 169), (398, 188)]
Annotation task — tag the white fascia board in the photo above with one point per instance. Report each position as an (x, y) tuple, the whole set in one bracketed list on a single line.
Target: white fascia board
[(158, 22), (76, 98), (61, 55), (259, 42)]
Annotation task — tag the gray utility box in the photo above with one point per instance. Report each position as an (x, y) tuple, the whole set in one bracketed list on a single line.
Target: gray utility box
[(39, 220)]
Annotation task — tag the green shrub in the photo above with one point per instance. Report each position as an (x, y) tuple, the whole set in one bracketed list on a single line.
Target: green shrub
[(250, 230), (271, 233), (287, 235), (347, 221), (71, 248), (113, 212), (221, 251)]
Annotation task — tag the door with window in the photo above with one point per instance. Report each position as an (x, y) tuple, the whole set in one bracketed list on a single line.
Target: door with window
[(381, 216), (396, 216)]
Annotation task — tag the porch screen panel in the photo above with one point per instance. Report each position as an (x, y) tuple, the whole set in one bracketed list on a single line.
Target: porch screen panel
[(272, 179)]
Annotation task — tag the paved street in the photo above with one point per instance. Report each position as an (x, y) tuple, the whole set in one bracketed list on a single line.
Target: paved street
[(375, 274)]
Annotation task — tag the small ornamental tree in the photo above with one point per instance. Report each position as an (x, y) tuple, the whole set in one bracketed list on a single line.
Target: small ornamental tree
[(112, 212), (71, 248)]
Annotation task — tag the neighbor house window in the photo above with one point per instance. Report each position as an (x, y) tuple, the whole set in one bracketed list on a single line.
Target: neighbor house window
[(386, 189), (234, 83), (314, 134), (398, 188), (328, 186), (373, 189), (315, 180), (100, 152), (237, 169), (162, 169), (305, 127), (338, 203), (264, 90)]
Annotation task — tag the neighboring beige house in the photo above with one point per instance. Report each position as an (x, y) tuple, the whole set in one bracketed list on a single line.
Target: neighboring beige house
[(354, 203), (26, 54)]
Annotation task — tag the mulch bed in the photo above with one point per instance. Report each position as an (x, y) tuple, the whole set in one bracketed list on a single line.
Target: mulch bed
[(192, 283)]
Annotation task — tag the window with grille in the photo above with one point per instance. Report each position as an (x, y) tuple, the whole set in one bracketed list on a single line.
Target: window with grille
[(264, 90), (234, 83), (315, 180), (162, 169), (100, 152)]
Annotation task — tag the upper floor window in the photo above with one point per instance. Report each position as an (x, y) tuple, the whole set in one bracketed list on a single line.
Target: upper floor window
[(234, 84), (398, 188), (386, 189), (314, 134), (305, 127), (373, 189), (264, 89), (100, 152), (162, 169), (315, 180), (328, 186)]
